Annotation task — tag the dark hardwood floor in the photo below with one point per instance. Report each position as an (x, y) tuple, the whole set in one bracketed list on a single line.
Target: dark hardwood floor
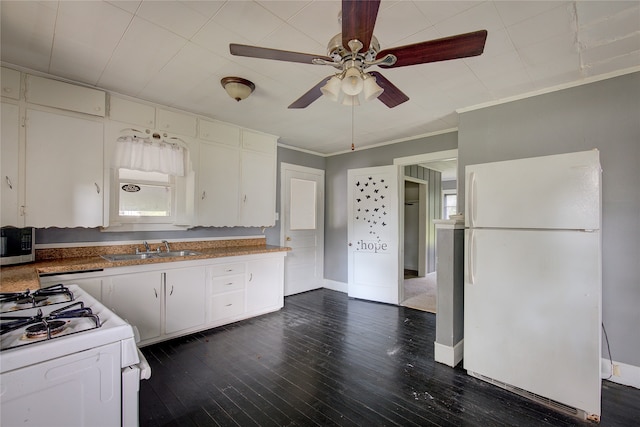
[(328, 360)]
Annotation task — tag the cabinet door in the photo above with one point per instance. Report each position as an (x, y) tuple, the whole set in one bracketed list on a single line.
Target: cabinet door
[(219, 185), (265, 285), (123, 110), (65, 96), (136, 298), (64, 171), (10, 80), (258, 204), (221, 133), (176, 122), (185, 298), (9, 148)]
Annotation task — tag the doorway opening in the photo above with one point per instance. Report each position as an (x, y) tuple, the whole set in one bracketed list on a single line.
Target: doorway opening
[(430, 187)]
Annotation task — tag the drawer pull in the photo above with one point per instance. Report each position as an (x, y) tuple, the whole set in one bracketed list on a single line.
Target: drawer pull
[(9, 182), (228, 305), (228, 284)]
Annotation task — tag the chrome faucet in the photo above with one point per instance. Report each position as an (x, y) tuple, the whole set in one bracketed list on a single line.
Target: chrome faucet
[(166, 245), (146, 246)]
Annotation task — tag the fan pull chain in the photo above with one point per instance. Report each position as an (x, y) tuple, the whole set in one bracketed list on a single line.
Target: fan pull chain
[(353, 147)]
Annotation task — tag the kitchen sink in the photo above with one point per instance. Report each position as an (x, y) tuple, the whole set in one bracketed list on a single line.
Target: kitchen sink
[(176, 253), (134, 257), (127, 257)]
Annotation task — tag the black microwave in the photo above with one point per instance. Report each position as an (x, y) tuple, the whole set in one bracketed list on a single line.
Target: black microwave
[(17, 245)]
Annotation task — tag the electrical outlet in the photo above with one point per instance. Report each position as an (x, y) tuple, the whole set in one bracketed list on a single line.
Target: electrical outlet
[(616, 370)]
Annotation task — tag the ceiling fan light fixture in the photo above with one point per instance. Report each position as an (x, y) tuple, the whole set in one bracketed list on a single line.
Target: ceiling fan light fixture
[(237, 87), (352, 83), (351, 100), (371, 89), (332, 89)]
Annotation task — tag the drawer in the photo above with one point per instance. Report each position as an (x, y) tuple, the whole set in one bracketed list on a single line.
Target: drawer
[(226, 305), (227, 283), (226, 269)]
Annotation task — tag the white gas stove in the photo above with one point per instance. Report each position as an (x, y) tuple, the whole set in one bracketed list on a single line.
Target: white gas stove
[(65, 359)]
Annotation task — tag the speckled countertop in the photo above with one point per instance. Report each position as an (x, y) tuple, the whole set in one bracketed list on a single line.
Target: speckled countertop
[(61, 260)]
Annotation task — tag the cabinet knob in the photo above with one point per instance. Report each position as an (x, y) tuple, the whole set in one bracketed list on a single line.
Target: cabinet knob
[(288, 239)]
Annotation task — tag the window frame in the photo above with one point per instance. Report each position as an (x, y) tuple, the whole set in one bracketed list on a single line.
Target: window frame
[(122, 219)]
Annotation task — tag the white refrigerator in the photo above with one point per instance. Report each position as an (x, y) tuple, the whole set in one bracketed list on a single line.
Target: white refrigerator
[(532, 292)]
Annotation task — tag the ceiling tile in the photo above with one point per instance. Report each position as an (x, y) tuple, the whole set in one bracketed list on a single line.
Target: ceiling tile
[(207, 8), (438, 11), (142, 53), (250, 19), (618, 26), (550, 50), (216, 39), (319, 21), (26, 31), (173, 16), (592, 11), (513, 12), (560, 20), (399, 22), (127, 5), (284, 9), (484, 16), (629, 61), (86, 35)]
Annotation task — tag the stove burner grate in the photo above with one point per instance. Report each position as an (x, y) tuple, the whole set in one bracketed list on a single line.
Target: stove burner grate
[(45, 329), (28, 299)]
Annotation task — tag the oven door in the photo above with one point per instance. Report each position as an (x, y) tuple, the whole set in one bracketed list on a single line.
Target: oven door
[(131, 376), (80, 389)]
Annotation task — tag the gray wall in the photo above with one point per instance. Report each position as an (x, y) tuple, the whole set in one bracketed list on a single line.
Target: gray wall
[(335, 243), (603, 115), (272, 234)]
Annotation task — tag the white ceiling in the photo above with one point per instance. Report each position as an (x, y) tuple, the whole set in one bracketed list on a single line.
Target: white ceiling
[(175, 53)]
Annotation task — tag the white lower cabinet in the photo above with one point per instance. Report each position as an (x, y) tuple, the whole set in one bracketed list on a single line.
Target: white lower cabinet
[(136, 297), (184, 299), (163, 303)]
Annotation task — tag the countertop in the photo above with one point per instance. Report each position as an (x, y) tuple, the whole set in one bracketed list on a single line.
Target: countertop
[(26, 276)]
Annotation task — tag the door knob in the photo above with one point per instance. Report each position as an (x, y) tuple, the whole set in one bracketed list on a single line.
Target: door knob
[(288, 239), (350, 244)]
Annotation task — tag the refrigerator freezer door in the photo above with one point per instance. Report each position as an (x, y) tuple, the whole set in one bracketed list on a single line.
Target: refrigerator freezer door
[(558, 192), (532, 312)]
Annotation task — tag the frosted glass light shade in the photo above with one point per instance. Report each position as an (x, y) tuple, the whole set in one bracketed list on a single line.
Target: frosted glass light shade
[(332, 89), (237, 87), (371, 89), (350, 100), (352, 82)]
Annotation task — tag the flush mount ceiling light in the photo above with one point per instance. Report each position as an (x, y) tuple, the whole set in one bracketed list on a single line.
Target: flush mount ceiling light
[(237, 87)]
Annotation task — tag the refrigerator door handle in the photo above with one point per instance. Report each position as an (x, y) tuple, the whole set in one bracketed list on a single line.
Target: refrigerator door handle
[(472, 198), (471, 249)]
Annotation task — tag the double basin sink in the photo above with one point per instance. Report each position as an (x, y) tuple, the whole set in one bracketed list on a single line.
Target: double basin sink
[(148, 255)]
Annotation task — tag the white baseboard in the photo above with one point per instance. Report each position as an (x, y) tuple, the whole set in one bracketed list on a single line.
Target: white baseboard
[(448, 355), (622, 373), (336, 286)]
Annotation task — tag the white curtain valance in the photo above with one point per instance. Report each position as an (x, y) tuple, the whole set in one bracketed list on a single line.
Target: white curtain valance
[(146, 154)]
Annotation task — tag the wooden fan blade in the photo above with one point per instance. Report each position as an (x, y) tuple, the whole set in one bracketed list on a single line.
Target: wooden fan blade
[(460, 46), (392, 96), (314, 93), (278, 55), (358, 20)]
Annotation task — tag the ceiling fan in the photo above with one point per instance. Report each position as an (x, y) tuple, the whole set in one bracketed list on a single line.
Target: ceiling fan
[(356, 49)]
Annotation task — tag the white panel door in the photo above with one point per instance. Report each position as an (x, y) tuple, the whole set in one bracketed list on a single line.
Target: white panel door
[(302, 191), (532, 304), (374, 238), (560, 191)]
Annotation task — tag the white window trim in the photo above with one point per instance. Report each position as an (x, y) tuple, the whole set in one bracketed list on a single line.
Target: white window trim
[(443, 194)]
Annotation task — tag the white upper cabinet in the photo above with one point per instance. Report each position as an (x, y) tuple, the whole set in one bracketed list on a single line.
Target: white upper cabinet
[(182, 124), (219, 185), (9, 184), (219, 132), (53, 93), (10, 80), (123, 110), (64, 171), (258, 179)]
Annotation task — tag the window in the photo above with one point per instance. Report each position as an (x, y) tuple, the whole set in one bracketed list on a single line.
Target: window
[(147, 197), (449, 202)]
